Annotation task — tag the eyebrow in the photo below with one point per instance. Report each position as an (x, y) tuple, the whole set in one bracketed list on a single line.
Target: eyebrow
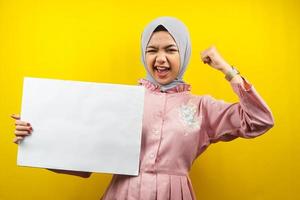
[(168, 46)]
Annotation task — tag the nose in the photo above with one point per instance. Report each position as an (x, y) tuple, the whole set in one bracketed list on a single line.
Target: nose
[(161, 58)]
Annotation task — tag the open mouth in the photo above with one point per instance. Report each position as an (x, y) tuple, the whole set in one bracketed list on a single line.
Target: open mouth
[(162, 71)]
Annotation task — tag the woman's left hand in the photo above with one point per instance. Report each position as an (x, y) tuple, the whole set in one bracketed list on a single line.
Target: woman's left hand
[(213, 58)]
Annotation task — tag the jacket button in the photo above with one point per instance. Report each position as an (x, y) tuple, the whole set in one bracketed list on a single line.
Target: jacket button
[(155, 132), (159, 114)]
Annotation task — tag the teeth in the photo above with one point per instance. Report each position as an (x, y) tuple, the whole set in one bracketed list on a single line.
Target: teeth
[(162, 68)]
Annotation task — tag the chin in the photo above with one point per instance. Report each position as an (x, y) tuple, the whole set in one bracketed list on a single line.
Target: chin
[(163, 82)]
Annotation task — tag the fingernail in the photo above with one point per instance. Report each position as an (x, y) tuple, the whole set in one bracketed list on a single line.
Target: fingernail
[(28, 124)]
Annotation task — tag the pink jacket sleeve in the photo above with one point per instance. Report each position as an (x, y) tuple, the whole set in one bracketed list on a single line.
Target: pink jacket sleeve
[(248, 118)]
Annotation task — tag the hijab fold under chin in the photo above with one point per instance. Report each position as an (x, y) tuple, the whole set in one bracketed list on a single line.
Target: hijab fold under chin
[(181, 36)]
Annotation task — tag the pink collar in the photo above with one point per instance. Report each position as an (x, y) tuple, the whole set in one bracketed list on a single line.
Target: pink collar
[(178, 88)]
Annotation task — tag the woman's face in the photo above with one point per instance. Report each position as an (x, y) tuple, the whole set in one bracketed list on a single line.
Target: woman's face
[(162, 57)]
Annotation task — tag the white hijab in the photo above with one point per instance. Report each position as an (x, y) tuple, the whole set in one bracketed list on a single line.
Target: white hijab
[(181, 36)]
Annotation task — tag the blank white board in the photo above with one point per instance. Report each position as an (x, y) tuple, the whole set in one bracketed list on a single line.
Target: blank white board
[(82, 126)]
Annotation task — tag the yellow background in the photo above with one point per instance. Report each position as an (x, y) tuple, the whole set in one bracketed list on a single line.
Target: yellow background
[(99, 41)]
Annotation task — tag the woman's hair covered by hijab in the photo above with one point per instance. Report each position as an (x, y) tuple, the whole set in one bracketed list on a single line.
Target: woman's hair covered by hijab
[(180, 34)]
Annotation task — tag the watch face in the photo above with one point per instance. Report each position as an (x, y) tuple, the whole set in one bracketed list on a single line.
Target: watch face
[(231, 74), (235, 70)]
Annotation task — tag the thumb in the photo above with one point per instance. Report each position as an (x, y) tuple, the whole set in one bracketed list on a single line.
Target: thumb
[(15, 116), (206, 60)]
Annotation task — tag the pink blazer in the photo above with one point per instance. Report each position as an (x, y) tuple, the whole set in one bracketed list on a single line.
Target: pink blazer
[(177, 128)]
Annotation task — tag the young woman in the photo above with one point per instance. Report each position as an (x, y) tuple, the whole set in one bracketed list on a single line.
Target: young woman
[(179, 126)]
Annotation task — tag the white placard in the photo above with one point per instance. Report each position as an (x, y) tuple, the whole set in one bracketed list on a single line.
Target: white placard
[(82, 126)]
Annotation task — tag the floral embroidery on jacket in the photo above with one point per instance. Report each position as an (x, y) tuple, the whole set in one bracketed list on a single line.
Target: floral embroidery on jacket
[(187, 113)]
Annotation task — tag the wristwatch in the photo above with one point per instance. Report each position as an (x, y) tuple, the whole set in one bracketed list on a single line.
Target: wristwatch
[(231, 73)]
